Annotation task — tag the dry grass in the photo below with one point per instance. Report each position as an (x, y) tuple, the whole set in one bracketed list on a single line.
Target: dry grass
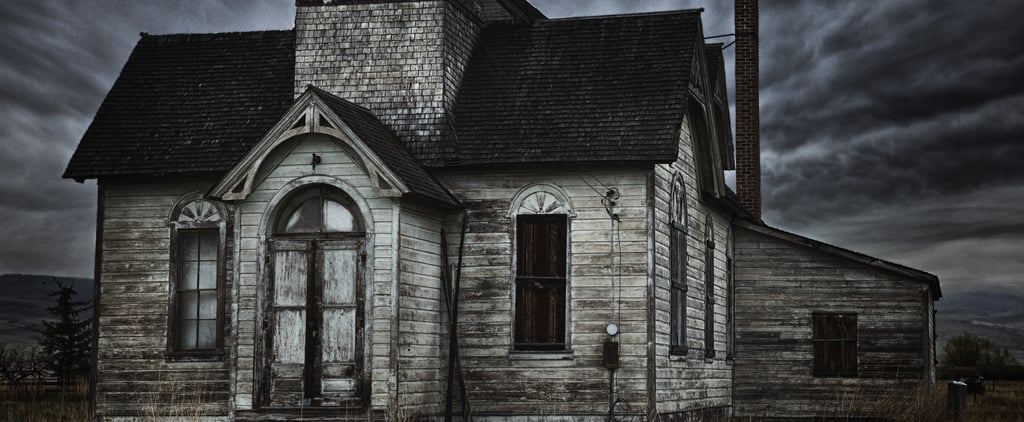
[(926, 403), (40, 404)]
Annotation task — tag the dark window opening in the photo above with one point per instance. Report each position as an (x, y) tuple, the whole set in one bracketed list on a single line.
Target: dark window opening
[(540, 309), (197, 290), (709, 288), (835, 344), (677, 268)]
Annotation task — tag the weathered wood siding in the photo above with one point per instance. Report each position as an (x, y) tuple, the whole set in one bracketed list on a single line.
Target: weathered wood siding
[(502, 382), (778, 286), (135, 376), (380, 266), (420, 339), (694, 382)]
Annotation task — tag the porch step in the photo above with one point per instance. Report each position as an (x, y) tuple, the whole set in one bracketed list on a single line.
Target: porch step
[(342, 414)]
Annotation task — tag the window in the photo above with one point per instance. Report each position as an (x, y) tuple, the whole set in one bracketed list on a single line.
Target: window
[(540, 282), (730, 297), (835, 344), (196, 310), (709, 288), (677, 266)]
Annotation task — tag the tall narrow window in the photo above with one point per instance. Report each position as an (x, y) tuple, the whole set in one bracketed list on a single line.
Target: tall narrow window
[(540, 282), (196, 282), (730, 297), (709, 287), (677, 267), (835, 344)]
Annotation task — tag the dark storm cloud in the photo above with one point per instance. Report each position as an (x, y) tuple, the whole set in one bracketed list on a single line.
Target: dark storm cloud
[(59, 60), (882, 103), (895, 128)]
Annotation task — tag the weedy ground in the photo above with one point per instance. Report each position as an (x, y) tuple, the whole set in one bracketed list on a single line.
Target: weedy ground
[(1003, 402)]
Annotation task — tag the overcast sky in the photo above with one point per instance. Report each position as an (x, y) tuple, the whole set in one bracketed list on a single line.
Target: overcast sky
[(894, 128)]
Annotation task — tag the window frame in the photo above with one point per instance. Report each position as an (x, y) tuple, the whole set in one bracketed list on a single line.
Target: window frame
[(519, 279), (177, 228), (819, 367), (678, 263), (540, 199), (730, 298), (709, 287)]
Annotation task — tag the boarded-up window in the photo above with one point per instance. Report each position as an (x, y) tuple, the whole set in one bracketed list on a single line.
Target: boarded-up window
[(835, 344), (677, 267), (196, 296), (709, 288), (540, 308)]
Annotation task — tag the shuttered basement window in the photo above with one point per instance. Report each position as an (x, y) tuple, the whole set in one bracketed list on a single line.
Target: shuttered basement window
[(540, 307), (835, 344)]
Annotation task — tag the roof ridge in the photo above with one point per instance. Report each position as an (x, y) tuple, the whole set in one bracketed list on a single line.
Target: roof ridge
[(697, 10), (200, 35), (331, 96)]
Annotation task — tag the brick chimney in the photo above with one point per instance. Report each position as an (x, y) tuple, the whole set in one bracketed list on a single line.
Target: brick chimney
[(748, 120), (402, 60)]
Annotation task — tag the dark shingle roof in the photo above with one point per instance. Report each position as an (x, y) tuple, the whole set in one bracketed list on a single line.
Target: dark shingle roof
[(593, 89), (189, 104), (386, 145)]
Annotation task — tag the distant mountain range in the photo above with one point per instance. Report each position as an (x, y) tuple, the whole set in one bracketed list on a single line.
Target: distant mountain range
[(23, 303), (997, 313)]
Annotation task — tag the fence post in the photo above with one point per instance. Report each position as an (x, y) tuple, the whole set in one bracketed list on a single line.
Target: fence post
[(956, 399)]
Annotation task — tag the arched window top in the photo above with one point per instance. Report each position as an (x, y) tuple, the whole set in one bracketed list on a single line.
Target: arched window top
[(318, 209), (199, 211), (541, 199), (709, 230), (678, 204)]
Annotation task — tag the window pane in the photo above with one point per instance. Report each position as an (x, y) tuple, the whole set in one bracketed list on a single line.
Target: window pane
[(188, 304), (208, 245), (208, 304), (207, 334), (540, 313), (678, 317), (188, 242), (306, 218), (188, 279), (187, 335), (207, 275), (337, 218), (541, 246)]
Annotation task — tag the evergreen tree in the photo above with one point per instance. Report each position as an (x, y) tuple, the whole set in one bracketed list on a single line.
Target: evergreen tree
[(67, 339)]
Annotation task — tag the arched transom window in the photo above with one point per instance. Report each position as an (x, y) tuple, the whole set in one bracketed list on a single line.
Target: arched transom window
[(319, 209)]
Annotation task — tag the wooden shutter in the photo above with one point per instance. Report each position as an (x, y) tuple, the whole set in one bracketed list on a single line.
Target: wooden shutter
[(835, 344), (540, 282)]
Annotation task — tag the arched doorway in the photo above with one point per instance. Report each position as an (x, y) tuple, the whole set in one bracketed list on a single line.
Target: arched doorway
[(313, 314)]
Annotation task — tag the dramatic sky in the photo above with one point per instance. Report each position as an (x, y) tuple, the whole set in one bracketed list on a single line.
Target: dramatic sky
[(894, 128)]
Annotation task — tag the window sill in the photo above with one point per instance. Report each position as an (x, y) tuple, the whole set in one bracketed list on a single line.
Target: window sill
[(541, 355), (212, 356), (678, 358)]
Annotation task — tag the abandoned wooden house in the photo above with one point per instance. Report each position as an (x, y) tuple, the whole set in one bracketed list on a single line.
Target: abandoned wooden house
[(462, 207)]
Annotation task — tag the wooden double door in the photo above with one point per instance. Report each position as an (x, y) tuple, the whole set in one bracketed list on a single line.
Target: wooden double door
[(313, 323)]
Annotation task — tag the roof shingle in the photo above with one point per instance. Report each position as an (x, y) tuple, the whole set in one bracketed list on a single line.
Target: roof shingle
[(609, 88), (189, 104)]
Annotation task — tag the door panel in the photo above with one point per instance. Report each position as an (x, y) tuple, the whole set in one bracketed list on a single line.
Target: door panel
[(341, 318), (314, 323)]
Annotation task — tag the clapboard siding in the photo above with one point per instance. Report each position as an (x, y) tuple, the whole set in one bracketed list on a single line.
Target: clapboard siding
[(337, 164), (420, 331), (135, 376), (694, 382), (778, 287), (505, 383)]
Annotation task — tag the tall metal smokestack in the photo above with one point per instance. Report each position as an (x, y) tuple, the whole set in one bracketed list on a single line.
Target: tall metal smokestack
[(748, 119)]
